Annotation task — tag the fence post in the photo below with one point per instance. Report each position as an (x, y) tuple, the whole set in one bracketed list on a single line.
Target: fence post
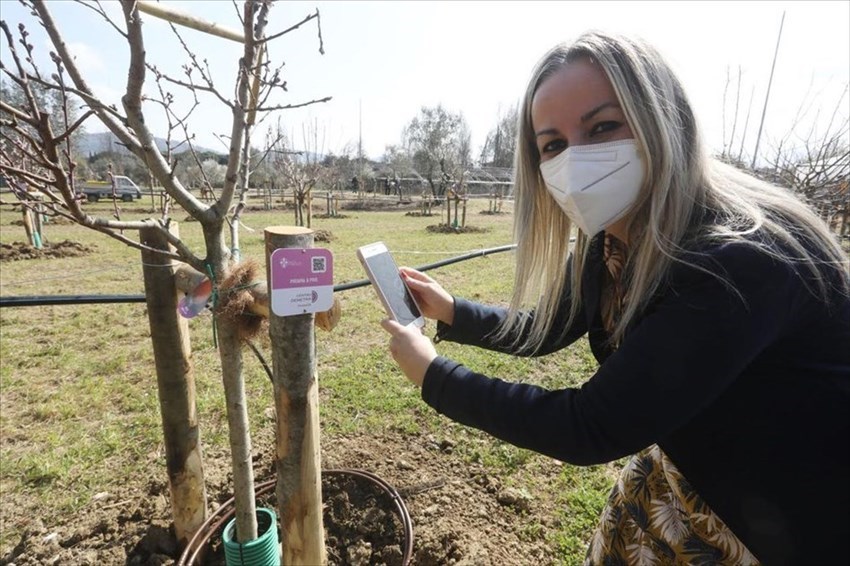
[(296, 393), (175, 388)]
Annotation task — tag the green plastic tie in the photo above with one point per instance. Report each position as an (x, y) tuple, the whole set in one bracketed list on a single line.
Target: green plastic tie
[(214, 299)]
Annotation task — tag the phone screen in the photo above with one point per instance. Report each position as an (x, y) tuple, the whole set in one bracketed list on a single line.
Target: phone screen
[(386, 273)]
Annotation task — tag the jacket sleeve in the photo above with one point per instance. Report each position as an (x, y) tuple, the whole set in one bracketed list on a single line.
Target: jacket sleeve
[(476, 324), (685, 351)]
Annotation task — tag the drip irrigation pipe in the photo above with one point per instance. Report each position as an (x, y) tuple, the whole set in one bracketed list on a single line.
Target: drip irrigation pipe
[(46, 300), (226, 511)]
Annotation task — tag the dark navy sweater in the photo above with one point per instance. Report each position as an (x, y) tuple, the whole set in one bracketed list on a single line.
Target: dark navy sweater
[(747, 392)]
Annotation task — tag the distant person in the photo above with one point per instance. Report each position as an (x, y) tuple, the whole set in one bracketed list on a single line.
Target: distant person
[(717, 305)]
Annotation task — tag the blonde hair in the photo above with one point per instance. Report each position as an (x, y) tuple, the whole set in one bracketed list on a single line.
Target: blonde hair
[(687, 197)]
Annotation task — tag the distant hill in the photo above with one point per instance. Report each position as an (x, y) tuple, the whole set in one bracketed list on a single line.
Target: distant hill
[(99, 142)]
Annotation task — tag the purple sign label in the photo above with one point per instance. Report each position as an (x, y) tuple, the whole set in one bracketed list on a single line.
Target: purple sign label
[(301, 280), (301, 267)]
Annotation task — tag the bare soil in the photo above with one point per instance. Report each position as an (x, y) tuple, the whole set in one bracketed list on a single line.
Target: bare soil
[(446, 229), (461, 514), (21, 250)]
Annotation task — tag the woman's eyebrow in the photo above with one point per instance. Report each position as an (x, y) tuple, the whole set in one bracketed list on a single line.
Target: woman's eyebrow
[(598, 109), (546, 132), (584, 118)]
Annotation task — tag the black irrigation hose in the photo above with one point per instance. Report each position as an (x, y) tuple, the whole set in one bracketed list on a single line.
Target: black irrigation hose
[(46, 300), (435, 265)]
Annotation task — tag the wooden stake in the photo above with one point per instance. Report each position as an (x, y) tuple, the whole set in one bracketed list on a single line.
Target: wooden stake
[(175, 388), (296, 392), (28, 227), (169, 14)]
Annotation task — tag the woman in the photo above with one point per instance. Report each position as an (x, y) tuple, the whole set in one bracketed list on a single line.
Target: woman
[(718, 307)]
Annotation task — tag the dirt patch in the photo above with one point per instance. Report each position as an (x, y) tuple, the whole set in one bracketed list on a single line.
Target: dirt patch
[(461, 513), (323, 236), (446, 229), (377, 204), (331, 216), (54, 220), (66, 248)]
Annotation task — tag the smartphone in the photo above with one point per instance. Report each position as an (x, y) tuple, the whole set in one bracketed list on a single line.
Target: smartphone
[(387, 282)]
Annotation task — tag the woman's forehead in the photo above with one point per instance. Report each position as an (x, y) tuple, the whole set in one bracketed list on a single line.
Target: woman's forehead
[(575, 88)]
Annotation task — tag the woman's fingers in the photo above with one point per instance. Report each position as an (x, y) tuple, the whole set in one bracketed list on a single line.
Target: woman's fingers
[(415, 275), (391, 326)]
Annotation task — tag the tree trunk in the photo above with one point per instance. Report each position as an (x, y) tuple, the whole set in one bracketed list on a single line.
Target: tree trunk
[(230, 354), (463, 215), (456, 201), (296, 391), (175, 388), (38, 224), (230, 351), (309, 208)]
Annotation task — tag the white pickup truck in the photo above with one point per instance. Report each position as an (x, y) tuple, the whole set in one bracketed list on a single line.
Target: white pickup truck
[(125, 189)]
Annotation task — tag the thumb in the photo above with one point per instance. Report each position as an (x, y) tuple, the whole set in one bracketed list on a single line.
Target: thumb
[(391, 326)]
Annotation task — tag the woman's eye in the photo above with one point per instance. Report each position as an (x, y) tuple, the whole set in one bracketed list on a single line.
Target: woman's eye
[(603, 127), (554, 145)]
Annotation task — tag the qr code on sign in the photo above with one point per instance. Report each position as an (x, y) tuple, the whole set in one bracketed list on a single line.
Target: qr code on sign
[(320, 264)]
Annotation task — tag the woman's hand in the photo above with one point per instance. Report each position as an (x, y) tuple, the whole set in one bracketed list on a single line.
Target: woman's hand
[(412, 350), (434, 301)]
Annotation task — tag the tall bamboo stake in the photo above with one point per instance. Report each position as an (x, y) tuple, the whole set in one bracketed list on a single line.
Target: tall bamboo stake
[(767, 95), (296, 392)]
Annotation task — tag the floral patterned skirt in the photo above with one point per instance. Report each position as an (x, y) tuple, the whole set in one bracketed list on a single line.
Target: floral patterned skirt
[(653, 516)]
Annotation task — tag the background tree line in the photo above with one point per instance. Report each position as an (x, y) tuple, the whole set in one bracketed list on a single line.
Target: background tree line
[(435, 148)]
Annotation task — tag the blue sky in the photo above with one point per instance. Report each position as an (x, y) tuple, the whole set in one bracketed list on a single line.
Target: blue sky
[(391, 58)]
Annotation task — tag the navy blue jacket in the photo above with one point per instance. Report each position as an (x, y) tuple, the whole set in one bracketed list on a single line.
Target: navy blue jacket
[(748, 393)]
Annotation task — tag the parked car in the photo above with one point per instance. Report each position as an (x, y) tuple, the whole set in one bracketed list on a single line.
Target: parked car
[(125, 189)]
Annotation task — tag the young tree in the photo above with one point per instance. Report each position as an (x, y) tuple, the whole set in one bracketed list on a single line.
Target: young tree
[(815, 160), (341, 168), (28, 132), (438, 142), (400, 165), (500, 144), (300, 169)]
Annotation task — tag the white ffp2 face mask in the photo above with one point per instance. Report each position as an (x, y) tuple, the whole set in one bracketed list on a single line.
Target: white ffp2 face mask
[(595, 184)]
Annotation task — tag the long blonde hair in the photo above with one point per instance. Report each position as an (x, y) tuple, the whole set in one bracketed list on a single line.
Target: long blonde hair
[(686, 195)]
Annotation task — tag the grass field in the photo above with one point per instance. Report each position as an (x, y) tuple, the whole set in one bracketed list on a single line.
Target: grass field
[(78, 405)]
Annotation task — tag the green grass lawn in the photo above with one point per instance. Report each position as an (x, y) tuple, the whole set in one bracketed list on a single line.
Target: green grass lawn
[(78, 405)]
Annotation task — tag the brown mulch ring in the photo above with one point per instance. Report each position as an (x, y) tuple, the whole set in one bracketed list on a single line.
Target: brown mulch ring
[(323, 236), (66, 248), (446, 229)]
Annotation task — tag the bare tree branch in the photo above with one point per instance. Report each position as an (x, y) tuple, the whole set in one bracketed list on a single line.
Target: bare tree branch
[(132, 102), (309, 17), (291, 106), (86, 93), (102, 13)]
